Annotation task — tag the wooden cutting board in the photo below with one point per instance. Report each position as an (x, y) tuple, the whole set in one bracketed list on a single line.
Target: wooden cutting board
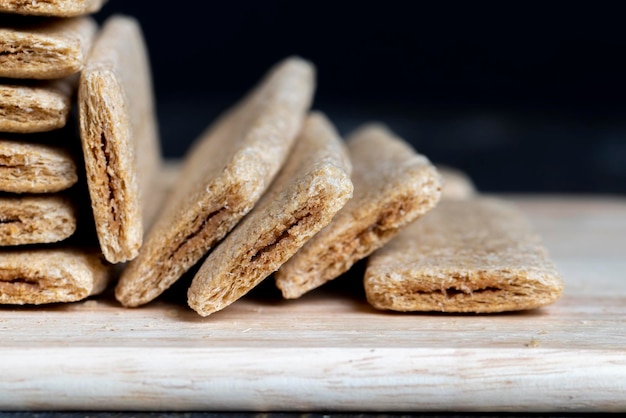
[(331, 351)]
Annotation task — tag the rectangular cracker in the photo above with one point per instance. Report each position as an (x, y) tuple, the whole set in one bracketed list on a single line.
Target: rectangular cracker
[(119, 137), (35, 219), (393, 186), (478, 255), (45, 50), (34, 167), (224, 174), (308, 192), (58, 8), (38, 276), (35, 106), (456, 184)]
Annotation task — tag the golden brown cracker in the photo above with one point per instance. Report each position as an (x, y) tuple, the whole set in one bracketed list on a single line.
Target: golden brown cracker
[(58, 8), (119, 136), (223, 176), (478, 255), (35, 106), (393, 186), (38, 276), (35, 219), (456, 184), (34, 167), (45, 50), (311, 188)]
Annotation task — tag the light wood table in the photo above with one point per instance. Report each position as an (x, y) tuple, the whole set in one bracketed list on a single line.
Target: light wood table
[(331, 351)]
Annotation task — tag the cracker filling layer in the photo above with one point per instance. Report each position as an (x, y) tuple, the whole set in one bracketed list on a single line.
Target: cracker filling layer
[(199, 231)]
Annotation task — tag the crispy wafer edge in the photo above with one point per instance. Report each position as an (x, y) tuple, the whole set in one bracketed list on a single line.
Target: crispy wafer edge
[(118, 134), (479, 255), (38, 108), (55, 8), (50, 50), (43, 276), (35, 219), (35, 168)]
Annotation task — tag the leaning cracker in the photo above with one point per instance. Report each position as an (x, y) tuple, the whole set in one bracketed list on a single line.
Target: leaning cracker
[(35, 167), (478, 255), (392, 187), (456, 184), (35, 107), (224, 175), (119, 137), (40, 276), (58, 8), (35, 219), (47, 50), (311, 188)]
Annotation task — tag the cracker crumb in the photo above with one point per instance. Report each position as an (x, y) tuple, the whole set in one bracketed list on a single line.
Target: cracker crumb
[(533, 343)]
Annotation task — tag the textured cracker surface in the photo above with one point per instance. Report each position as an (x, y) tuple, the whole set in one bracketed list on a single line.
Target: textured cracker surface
[(393, 186), (35, 168), (37, 276), (35, 219), (456, 184), (224, 174), (35, 107), (59, 8), (478, 255), (50, 49), (119, 137), (311, 188)]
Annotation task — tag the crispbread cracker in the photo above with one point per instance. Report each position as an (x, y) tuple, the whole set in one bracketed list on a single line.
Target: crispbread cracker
[(311, 188), (47, 50), (35, 167), (58, 8), (456, 184), (225, 173), (35, 219), (392, 187), (37, 276), (119, 137), (478, 255), (35, 106)]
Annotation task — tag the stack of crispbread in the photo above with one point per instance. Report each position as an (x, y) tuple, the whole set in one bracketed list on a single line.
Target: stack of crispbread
[(49, 52)]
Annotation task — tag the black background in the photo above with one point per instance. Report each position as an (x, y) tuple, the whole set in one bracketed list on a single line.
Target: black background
[(523, 96)]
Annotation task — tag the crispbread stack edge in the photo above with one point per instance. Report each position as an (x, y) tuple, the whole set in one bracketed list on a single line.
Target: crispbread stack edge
[(38, 276)]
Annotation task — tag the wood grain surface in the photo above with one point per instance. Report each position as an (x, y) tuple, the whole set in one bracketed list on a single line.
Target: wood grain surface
[(331, 351)]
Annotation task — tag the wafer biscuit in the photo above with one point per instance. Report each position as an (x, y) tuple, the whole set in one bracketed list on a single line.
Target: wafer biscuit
[(456, 184), (478, 255), (311, 188), (225, 173), (35, 106), (58, 8), (392, 187), (35, 219), (119, 137), (34, 167), (46, 50), (38, 276)]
